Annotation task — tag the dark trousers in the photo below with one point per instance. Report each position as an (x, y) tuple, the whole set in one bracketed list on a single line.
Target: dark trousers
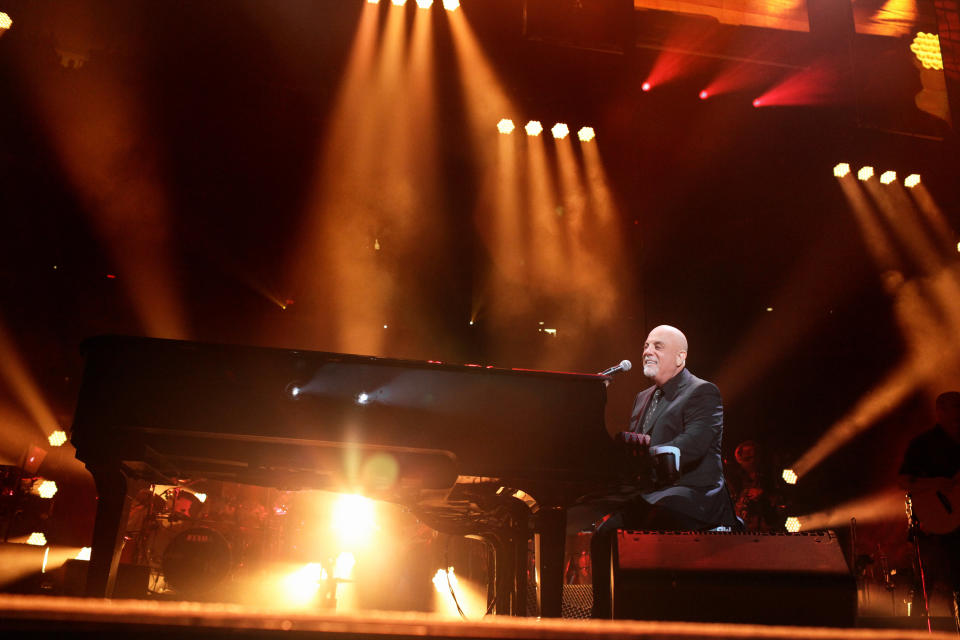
[(638, 515)]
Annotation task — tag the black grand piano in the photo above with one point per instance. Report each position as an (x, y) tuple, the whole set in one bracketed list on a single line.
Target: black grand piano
[(464, 444)]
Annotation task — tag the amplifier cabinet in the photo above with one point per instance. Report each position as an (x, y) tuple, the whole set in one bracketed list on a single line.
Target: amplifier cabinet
[(783, 579)]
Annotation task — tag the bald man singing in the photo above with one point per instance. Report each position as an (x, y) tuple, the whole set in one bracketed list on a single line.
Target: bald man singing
[(679, 410)]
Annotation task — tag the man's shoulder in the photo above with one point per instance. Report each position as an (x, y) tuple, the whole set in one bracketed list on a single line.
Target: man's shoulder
[(693, 383)]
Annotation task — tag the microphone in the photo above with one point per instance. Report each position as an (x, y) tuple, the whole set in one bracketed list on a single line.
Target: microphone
[(624, 365)]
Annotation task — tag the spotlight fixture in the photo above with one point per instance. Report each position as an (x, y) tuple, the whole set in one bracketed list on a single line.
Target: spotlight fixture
[(887, 177), (451, 5), (424, 4), (5, 22), (756, 102), (926, 46), (586, 134), (57, 438), (911, 180), (560, 131), (645, 86), (865, 173), (37, 539), (533, 128), (373, 1), (505, 126), (46, 489), (789, 476), (792, 524), (398, 3), (704, 95), (842, 170)]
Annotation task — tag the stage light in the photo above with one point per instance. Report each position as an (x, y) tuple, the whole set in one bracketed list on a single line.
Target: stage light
[(353, 519), (37, 539), (505, 126), (5, 21), (57, 438), (343, 567), (46, 489), (440, 580), (792, 524), (424, 4), (83, 554), (451, 5), (704, 95), (865, 173), (586, 134), (373, 1), (560, 131), (789, 476), (202, 497), (926, 46), (756, 102), (398, 3), (301, 586), (533, 128), (841, 170), (911, 180), (887, 177), (645, 86), (363, 398)]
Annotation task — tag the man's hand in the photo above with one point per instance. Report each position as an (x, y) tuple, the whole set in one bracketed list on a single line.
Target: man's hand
[(636, 443)]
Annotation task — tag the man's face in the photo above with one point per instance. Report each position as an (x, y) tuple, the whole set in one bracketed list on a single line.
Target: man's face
[(662, 355)]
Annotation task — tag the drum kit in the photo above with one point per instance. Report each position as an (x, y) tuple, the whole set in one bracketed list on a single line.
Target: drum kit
[(194, 540)]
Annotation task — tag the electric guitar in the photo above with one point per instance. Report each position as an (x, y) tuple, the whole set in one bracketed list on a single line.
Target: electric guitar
[(937, 511)]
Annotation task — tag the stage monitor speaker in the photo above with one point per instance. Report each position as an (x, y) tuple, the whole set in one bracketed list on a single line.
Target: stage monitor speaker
[(784, 579)]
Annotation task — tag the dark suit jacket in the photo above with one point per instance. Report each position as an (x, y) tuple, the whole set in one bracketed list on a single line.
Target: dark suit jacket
[(689, 417)]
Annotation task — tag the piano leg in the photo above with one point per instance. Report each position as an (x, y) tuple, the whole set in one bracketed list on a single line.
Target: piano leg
[(550, 538), (114, 494)]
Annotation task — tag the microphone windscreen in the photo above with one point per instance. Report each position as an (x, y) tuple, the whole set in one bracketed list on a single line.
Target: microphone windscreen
[(626, 365)]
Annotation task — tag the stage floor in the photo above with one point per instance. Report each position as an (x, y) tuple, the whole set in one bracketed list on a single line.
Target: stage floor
[(73, 617)]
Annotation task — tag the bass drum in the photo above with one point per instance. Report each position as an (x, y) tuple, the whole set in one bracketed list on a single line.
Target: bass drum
[(196, 561)]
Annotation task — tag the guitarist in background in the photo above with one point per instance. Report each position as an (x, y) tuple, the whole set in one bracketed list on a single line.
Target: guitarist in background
[(931, 474)]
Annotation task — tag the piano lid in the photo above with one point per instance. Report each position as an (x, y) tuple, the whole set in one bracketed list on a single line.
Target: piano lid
[(497, 422)]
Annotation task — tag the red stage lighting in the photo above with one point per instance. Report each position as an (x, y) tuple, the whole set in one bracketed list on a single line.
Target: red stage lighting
[(704, 95), (756, 102), (645, 86)]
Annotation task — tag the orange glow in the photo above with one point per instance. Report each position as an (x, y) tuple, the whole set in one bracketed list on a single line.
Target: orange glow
[(865, 173), (345, 256), (451, 5), (586, 134), (398, 3), (20, 381), (560, 131), (887, 505), (533, 128), (424, 4), (841, 170), (505, 126), (5, 22), (911, 180), (887, 177), (104, 142), (57, 439)]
